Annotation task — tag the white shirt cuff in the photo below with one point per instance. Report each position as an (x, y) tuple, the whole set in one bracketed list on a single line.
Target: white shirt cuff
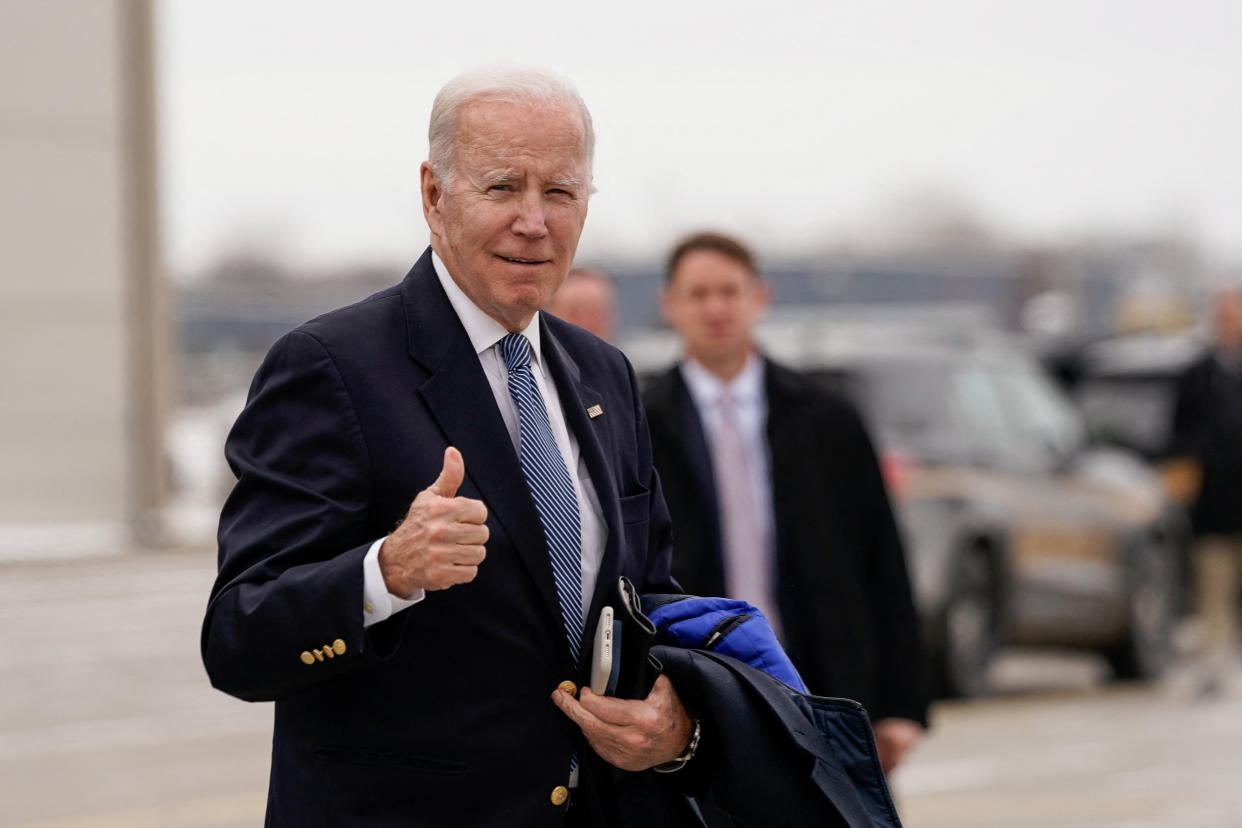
[(378, 604)]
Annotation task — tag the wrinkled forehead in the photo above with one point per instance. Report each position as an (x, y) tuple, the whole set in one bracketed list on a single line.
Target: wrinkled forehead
[(551, 130)]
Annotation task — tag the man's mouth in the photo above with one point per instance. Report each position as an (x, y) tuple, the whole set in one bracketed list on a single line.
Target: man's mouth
[(517, 260)]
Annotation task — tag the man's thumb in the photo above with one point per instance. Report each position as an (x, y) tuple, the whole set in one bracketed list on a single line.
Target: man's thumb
[(451, 475)]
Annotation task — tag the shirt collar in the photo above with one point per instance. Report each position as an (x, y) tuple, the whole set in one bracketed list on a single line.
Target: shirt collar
[(484, 332), (707, 388)]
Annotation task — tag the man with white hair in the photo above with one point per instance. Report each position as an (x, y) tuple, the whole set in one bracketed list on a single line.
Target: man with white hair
[(438, 489)]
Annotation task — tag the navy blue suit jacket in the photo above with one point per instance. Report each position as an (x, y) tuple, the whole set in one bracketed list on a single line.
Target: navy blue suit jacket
[(440, 715)]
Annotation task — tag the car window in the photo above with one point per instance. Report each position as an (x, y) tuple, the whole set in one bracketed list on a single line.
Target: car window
[(1042, 420), (909, 398), (907, 402), (962, 410), (977, 406)]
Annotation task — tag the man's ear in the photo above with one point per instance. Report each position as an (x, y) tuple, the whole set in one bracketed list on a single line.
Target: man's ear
[(666, 305), (764, 295), (433, 194)]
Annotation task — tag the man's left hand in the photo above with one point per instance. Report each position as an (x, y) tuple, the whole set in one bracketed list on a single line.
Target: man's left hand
[(631, 734), (893, 739)]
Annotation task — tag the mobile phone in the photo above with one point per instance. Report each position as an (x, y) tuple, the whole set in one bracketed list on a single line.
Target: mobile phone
[(602, 655), (616, 658)]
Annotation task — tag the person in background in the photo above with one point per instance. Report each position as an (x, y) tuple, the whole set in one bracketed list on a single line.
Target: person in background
[(1206, 445), (588, 299), (777, 498)]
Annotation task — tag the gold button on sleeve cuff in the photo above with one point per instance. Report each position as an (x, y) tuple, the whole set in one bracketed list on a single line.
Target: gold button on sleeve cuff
[(338, 646), (318, 655), (307, 658)]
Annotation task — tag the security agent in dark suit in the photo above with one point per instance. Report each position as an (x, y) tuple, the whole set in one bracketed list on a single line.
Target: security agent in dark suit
[(1206, 442), (776, 497), (423, 674)]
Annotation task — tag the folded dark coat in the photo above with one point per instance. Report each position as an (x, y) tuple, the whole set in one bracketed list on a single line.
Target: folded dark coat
[(772, 756)]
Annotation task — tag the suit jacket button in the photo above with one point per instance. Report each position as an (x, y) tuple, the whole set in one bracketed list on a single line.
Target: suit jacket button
[(339, 646), (318, 655), (559, 794), (327, 650), (569, 687), (307, 658)]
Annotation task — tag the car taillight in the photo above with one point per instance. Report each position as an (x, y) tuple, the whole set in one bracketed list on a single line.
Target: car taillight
[(895, 469)]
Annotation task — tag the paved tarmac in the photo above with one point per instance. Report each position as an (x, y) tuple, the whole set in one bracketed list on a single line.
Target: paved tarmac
[(1129, 757), (106, 715), (107, 719)]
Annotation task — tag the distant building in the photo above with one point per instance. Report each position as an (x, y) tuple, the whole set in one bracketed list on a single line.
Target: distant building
[(83, 333), (242, 308)]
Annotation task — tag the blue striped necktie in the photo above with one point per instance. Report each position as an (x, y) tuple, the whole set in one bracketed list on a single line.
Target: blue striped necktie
[(543, 466)]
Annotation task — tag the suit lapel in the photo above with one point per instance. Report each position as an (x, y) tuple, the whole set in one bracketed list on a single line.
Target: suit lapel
[(698, 455), (687, 465), (784, 433), (689, 424), (793, 429), (576, 398), (460, 399), (781, 428)]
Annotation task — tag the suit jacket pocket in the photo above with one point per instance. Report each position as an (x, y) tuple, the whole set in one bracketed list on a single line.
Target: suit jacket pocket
[(392, 760), (636, 508), (378, 788)]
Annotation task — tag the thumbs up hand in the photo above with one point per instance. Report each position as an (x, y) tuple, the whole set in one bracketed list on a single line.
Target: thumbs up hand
[(451, 475), (441, 541)]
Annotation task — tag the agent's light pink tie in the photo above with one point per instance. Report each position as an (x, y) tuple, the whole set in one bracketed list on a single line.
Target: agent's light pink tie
[(748, 572)]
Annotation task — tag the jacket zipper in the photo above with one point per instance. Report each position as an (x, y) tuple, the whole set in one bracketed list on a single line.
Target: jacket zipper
[(722, 629)]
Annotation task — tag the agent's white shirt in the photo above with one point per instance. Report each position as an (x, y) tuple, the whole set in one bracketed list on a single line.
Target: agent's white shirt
[(485, 334)]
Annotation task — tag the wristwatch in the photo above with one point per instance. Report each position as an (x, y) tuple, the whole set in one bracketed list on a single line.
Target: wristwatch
[(686, 755)]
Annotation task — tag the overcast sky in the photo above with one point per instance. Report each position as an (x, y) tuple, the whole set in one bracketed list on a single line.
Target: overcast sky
[(298, 127)]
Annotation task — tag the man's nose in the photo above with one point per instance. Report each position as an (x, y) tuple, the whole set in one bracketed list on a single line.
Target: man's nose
[(716, 304), (531, 219)]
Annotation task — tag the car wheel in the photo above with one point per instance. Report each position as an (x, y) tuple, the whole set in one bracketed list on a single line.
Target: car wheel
[(1151, 612), (971, 625)]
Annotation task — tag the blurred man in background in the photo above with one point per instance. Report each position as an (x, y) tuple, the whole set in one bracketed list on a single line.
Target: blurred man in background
[(777, 498), (1207, 438), (588, 299)]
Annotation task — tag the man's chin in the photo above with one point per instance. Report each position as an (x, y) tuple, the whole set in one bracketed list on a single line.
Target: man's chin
[(724, 348), (529, 295), (518, 307)]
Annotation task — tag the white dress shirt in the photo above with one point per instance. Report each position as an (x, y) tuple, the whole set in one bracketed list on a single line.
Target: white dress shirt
[(750, 406), (485, 334)]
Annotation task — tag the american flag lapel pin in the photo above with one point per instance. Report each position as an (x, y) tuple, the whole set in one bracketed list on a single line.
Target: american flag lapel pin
[(594, 411)]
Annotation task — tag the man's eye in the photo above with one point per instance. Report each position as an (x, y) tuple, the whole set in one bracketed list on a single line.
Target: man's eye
[(502, 188), (557, 191)]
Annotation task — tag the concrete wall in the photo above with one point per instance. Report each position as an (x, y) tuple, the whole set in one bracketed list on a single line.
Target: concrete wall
[(81, 297)]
